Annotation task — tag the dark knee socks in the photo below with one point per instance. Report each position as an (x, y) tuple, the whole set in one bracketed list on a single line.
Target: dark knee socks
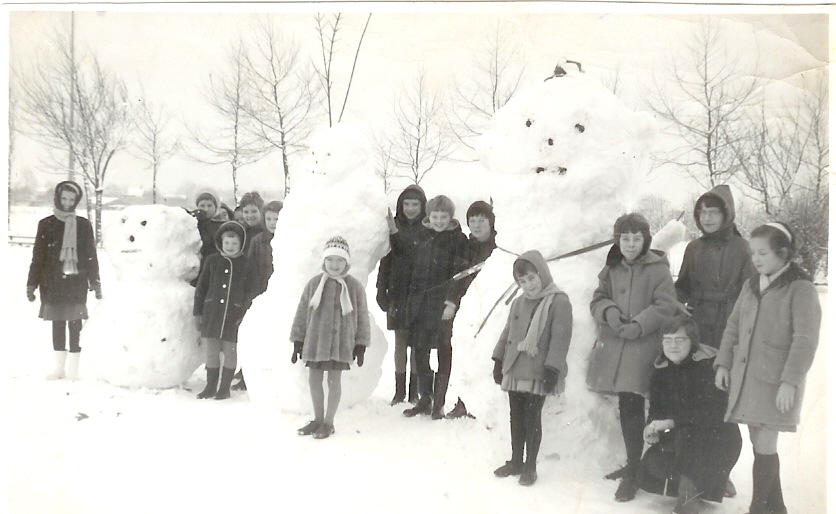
[(516, 402), (767, 496), (526, 427), (59, 336), (631, 412)]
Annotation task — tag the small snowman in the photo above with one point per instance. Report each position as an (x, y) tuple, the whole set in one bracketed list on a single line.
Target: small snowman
[(339, 194), (142, 334)]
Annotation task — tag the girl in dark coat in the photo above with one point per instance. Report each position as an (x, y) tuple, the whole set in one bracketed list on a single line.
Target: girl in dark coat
[(221, 298), (432, 300), (64, 266), (252, 209), (393, 283), (767, 349), (208, 215), (692, 450)]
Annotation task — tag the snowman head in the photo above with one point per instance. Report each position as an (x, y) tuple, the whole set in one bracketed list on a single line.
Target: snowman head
[(338, 153), (153, 242)]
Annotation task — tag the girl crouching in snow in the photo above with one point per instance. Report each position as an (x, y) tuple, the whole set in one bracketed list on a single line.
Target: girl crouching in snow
[(530, 359), (331, 329)]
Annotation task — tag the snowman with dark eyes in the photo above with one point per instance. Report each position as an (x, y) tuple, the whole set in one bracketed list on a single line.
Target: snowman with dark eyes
[(564, 157), (142, 334)]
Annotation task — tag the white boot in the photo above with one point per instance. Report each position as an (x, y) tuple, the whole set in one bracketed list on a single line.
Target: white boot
[(60, 357), (72, 365)]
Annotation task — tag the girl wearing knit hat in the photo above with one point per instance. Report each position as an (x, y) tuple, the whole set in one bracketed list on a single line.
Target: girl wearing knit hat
[(329, 331)]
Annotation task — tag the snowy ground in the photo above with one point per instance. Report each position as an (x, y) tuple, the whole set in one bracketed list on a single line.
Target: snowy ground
[(88, 447)]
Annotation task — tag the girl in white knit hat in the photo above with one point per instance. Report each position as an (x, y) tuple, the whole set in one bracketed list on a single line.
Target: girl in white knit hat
[(330, 330)]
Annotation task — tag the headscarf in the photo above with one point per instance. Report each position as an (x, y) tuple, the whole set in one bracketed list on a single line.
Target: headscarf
[(546, 297), (69, 243)]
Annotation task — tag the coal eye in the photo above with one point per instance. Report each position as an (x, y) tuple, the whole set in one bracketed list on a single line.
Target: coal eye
[(527, 123), (124, 220), (579, 127), (551, 142), (144, 223)]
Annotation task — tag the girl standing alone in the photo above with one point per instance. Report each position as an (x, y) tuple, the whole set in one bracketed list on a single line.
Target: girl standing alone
[(766, 351), (64, 265)]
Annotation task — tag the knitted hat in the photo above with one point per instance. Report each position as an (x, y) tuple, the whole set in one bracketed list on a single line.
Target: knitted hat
[(274, 206), (338, 247), (206, 195), (72, 187)]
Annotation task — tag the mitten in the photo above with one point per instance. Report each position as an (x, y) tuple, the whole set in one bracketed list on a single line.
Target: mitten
[(613, 317), (630, 331), (497, 372), (30, 293), (97, 288), (550, 379), (297, 351), (359, 354), (382, 300)]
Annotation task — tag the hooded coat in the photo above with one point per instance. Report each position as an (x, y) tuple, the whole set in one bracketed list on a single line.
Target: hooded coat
[(46, 270), (260, 255), (643, 291), (705, 449), (713, 270), (553, 344), (396, 267), (771, 337), (224, 289)]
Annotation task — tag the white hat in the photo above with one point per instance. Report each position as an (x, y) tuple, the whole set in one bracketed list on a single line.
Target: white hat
[(338, 247)]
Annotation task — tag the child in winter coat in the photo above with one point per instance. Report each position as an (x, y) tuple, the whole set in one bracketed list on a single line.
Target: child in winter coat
[(530, 359), (635, 295), (252, 206), (393, 283), (64, 265), (714, 266), (208, 214), (261, 252), (692, 450), (432, 300), (221, 298), (330, 329), (766, 351)]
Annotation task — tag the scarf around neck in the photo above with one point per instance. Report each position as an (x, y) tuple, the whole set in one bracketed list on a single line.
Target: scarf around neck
[(538, 320), (69, 250), (345, 301)]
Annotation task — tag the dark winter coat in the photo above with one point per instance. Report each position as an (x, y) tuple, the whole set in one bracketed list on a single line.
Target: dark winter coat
[(477, 252), (705, 449), (206, 227), (46, 270), (437, 257), (326, 333), (771, 337), (396, 267), (223, 292), (713, 270), (553, 345), (260, 255), (252, 231), (643, 291)]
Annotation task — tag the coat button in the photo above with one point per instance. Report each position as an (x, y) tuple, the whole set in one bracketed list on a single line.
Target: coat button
[(226, 270), (222, 300), (223, 286)]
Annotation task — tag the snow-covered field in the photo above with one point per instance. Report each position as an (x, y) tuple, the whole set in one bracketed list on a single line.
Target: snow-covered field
[(88, 447)]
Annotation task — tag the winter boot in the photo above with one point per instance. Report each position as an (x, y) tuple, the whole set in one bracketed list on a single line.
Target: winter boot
[(425, 402), (412, 393), (688, 501), (764, 475), (510, 468), (628, 486), (59, 360), (775, 502), (439, 395), (400, 389), (226, 381), (241, 385), (459, 411), (211, 384), (72, 365), (529, 474)]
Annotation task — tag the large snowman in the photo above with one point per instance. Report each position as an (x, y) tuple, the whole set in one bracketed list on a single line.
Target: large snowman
[(338, 194), (563, 157), (142, 333)]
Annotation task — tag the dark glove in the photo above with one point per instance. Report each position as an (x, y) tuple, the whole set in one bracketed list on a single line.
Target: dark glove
[(497, 372), (359, 354), (550, 380), (382, 300), (613, 317), (30, 293), (297, 351), (630, 331), (97, 288)]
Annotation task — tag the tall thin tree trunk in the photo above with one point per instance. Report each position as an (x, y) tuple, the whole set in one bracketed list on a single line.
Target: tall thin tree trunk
[(71, 156), (154, 184), (98, 217)]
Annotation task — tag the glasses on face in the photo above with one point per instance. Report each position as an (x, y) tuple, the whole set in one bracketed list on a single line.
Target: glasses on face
[(677, 340)]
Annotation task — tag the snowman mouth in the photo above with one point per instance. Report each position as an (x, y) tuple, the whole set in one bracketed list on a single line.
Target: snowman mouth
[(560, 171), (131, 250)]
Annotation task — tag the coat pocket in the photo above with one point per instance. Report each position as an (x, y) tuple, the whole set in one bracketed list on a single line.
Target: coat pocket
[(770, 365)]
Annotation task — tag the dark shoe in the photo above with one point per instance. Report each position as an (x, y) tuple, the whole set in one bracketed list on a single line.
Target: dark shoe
[(324, 431), (424, 406), (211, 384), (510, 468), (400, 389), (615, 475), (626, 490), (730, 491), (459, 411), (226, 381), (241, 385), (310, 428), (440, 395), (528, 477), (412, 395)]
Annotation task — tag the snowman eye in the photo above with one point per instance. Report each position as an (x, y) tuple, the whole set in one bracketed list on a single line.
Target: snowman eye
[(579, 127), (551, 142), (144, 223), (527, 123), (124, 220)]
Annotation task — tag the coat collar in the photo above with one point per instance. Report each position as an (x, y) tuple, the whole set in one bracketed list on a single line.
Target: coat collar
[(702, 352), (793, 273)]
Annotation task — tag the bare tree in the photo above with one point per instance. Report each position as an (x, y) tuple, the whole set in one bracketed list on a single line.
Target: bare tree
[(658, 211), (419, 139), (154, 144), (385, 167), (496, 75), (100, 120), (231, 142), (281, 93), (705, 111), (327, 30)]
